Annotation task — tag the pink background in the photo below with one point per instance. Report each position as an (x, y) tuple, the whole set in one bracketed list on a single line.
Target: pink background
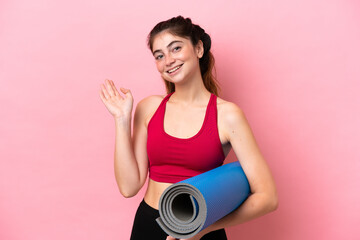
[(292, 66)]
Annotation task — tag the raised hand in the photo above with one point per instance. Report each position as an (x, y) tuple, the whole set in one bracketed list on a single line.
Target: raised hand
[(119, 106)]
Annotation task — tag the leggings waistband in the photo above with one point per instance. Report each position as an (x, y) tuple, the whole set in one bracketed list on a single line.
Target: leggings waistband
[(148, 209), (148, 213)]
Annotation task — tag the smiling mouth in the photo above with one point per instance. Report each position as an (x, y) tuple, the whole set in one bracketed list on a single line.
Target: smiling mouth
[(174, 69)]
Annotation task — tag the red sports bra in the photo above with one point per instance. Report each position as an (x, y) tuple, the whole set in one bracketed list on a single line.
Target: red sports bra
[(173, 159)]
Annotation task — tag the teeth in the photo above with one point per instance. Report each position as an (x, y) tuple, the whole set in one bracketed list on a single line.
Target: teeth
[(172, 70)]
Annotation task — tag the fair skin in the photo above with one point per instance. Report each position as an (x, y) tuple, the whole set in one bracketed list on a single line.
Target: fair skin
[(187, 104)]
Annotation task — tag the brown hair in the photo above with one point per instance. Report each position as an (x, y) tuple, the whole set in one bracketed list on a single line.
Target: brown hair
[(183, 27)]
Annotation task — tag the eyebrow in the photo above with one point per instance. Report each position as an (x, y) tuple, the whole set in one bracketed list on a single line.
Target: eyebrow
[(169, 45)]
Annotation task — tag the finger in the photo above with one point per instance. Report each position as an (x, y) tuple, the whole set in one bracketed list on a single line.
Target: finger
[(116, 92), (109, 87), (106, 94), (126, 91), (102, 96), (171, 238), (112, 85)]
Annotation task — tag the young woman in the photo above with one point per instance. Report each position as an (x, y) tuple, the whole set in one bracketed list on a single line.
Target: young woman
[(184, 133)]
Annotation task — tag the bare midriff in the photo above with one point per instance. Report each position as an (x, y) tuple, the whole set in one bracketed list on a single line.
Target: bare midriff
[(154, 191)]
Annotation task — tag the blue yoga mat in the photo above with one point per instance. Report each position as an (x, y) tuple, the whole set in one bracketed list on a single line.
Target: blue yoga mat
[(191, 205)]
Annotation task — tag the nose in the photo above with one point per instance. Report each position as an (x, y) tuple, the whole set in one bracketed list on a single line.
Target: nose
[(169, 60)]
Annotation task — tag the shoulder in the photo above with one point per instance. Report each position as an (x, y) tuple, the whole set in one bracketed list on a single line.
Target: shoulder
[(231, 118), (229, 111), (150, 101), (147, 106)]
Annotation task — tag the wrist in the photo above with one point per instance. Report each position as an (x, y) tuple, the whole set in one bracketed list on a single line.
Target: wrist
[(123, 124), (207, 230), (122, 120)]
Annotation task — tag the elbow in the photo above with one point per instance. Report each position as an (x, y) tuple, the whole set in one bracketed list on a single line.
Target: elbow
[(273, 202), (128, 189), (274, 205), (127, 194)]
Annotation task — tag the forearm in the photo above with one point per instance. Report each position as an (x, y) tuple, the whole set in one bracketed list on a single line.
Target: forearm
[(256, 205), (125, 164)]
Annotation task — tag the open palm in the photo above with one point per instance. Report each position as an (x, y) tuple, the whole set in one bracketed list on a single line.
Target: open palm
[(119, 106)]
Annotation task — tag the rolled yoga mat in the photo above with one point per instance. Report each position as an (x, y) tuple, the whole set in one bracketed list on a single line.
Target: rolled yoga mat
[(189, 206)]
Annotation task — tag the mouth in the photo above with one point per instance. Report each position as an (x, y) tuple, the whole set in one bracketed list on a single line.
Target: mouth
[(174, 70)]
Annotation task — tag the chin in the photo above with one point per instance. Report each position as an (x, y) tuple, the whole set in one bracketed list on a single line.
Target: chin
[(173, 80)]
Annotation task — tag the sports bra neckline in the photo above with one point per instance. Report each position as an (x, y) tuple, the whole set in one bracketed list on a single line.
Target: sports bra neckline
[(202, 126)]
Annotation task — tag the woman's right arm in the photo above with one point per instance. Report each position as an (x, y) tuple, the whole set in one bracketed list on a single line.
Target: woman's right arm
[(130, 157)]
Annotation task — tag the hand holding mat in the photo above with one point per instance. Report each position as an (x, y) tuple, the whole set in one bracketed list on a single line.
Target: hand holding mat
[(189, 206)]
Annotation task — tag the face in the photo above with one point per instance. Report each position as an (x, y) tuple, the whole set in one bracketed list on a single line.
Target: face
[(175, 57)]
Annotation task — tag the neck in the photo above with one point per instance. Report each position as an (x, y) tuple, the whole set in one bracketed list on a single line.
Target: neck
[(192, 91)]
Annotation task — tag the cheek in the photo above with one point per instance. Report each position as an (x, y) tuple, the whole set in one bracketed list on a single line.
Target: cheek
[(184, 55), (159, 66), (187, 56)]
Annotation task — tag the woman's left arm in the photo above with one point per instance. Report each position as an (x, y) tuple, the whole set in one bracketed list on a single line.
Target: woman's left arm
[(263, 198)]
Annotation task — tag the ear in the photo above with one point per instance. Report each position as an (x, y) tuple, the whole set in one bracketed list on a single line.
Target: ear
[(199, 49)]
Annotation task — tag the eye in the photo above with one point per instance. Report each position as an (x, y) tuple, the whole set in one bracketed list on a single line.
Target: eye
[(158, 57), (177, 48)]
